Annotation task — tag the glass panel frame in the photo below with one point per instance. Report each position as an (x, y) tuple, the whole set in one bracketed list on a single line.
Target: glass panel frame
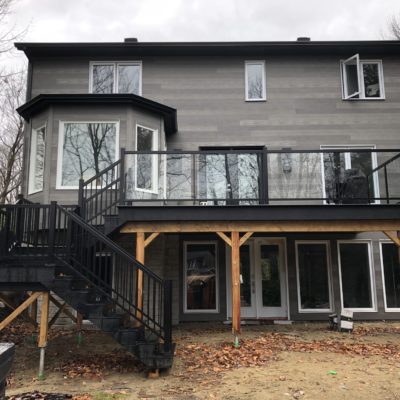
[(326, 244), (371, 276), (187, 310)]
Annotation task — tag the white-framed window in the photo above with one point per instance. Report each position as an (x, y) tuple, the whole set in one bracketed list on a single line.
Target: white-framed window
[(390, 275), (200, 277), (346, 174), (37, 160), (357, 284), (362, 79), (85, 148), (146, 176), (255, 80), (313, 276), (116, 77)]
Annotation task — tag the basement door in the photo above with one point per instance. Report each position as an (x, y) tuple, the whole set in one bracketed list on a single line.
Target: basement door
[(263, 292)]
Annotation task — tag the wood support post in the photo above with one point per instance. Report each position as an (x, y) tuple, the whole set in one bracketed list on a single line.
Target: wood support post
[(44, 326), (235, 272), (79, 321), (33, 311), (10, 304), (140, 246), (64, 309), (22, 307), (393, 236)]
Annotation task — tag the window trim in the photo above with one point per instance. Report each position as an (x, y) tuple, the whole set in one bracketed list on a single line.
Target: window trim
[(60, 146), (361, 79), (115, 64), (371, 274), (155, 147), (199, 311), (264, 80), (32, 160), (387, 309), (351, 147), (328, 271)]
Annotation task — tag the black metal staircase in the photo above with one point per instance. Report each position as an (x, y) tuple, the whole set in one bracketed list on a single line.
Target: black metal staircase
[(53, 247)]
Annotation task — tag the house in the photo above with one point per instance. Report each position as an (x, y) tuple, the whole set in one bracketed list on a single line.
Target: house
[(214, 181)]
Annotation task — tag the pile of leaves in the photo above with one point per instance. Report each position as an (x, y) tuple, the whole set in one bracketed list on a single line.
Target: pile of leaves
[(96, 366), (17, 332), (46, 396), (220, 357), (368, 330)]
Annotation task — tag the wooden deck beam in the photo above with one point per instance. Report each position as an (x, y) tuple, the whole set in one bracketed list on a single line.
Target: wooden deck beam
[(393, 236), (262, 226)]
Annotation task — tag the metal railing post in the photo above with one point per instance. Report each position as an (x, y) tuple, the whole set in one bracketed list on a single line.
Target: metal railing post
[(52, 227), (167, 315), (264, 176), (81, 198), (122, 177)]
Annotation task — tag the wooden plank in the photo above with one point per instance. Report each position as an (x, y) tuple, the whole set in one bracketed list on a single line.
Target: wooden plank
[(225, 238), (8, 302), (263, 226), (19, 310), (151, 238), (140, 249), (244, 238), (65, 311), (393, 236), (57, 315), (33, 311), (44, 320), (235, 268)]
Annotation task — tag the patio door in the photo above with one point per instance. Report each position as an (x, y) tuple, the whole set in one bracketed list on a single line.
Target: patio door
[(263, 292)]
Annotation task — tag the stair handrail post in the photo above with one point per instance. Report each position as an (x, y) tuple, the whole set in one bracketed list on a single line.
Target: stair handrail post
[(52, 227), (81, 198), (167, 314), (7, 229), (122, 177)]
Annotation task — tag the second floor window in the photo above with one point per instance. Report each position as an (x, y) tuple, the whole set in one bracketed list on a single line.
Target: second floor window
[(362, 79), (255, 81), (116, 77)]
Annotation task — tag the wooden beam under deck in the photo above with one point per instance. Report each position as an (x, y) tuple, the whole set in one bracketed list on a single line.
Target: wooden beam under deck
[(262, 226)]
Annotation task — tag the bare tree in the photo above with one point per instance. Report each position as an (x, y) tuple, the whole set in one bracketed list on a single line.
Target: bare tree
[(12, 94), (393, 28), (8, 34)]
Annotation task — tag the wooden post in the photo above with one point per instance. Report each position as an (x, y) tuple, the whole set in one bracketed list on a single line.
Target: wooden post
[(44, 319), (140, 257), (235, 269), (79, 320), (34, 311)]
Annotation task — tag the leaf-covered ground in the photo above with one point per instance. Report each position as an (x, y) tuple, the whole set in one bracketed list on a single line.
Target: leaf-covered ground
[(299, 361)]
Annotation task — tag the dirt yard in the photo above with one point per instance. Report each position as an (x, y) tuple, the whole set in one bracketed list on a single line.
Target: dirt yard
[(302, 361)]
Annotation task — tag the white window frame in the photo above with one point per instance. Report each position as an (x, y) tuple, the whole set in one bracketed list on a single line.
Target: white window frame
[(264, 79), (381, 244), (209, 311), (347, 160), (328, 271), (371, 274), (361, 86), (155, 165), (115, 64), (59, 185), (32, 160)]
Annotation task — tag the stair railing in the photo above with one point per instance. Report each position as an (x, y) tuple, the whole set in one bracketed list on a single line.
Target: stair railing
[(100, 195), (57, 233)]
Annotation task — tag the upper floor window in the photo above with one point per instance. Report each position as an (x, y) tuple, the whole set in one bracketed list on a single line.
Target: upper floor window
[(85, 149), (36, 163), (255, 80), (116, 77), (362, 79)]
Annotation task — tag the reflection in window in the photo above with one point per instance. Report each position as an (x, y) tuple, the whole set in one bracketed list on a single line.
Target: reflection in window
[(270, 276), (88, 148), (116, 78), (391, 271), (146, 165), (37, 156), (355, 275), (371, 79), (313, 276), (255, 80), (346, 174), (245, 276), (200, 285)]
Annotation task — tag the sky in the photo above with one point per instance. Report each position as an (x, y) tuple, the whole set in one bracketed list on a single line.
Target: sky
[(200, 20)]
